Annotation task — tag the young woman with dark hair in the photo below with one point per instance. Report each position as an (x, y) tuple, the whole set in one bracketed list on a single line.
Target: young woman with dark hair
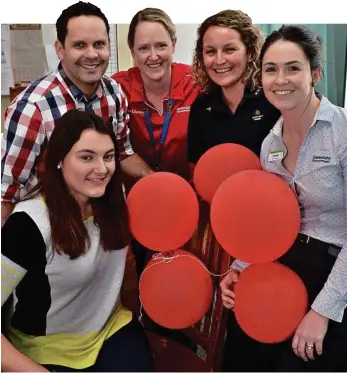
[(310, 138), (64, 252)]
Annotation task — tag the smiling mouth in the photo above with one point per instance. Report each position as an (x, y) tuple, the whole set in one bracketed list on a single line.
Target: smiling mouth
[(90, 66), (97, 181), (222, 71), (154, 65), (283, 92)]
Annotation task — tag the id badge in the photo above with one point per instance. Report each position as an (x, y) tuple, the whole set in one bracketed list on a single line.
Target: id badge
[(276, 155)]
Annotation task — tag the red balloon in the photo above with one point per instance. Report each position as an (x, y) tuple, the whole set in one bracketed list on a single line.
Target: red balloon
[(255, 216), (220, 162), (270, 302), (163, 211), (176, 293)]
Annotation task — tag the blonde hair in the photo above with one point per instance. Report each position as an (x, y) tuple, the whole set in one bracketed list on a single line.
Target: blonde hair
[(251, 37), (151, 15)]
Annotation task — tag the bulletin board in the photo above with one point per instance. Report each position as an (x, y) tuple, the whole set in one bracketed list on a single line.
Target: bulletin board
[(23, 57), (28, 58)]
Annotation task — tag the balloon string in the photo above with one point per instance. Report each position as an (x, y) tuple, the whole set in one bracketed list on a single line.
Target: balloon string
[(168, 259), (160, 258)]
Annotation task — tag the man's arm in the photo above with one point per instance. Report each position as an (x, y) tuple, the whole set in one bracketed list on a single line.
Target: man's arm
[(132, 164), (21, 145), (6, 209), (135, 167)]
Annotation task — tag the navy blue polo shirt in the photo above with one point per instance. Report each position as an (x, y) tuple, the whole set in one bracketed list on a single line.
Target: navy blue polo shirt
[(211, 122)]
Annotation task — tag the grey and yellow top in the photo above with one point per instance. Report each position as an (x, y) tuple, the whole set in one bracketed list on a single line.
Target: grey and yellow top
[(63, 309)]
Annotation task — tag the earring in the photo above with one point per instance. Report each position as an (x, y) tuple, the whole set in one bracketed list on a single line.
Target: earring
[(58, 167)]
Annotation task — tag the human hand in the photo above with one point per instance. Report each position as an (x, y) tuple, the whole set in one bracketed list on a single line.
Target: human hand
[(309, 335), (6, 209), (227, 287)]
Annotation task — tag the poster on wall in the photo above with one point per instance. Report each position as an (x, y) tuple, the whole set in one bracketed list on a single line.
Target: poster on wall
[(27, 53)]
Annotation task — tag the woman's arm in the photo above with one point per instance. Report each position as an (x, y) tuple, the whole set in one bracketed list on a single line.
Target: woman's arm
[(14, 361), (18, 230), (332, 300), (196, 143)]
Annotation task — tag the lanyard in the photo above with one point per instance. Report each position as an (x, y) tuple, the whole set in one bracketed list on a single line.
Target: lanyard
[(164, 130)]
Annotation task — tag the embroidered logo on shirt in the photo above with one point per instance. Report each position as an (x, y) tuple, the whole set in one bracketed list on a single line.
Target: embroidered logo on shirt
[(183, 109), (257, 115), (321, 158), (133, 111)]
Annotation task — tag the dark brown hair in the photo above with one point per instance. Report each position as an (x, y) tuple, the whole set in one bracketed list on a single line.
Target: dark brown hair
[(69, 234), (250, 36), (307, 40)]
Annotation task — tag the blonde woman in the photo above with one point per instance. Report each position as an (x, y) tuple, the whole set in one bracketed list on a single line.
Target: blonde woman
[(159, 94)]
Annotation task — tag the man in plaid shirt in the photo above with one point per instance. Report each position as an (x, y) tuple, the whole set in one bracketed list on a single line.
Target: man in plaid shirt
[(83, 47)]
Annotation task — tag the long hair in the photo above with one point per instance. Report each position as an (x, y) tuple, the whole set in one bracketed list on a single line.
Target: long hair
[(250, 36), (69, 234)]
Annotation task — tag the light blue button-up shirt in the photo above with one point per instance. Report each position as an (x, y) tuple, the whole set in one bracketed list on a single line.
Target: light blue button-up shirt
[(320, 183)]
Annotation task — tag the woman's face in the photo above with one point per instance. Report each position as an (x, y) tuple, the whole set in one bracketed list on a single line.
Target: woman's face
[(287, 78), (153, 50), (224, 55), (89, 165)]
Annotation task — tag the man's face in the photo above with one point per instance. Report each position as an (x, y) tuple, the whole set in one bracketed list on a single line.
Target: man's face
[(86, 52)]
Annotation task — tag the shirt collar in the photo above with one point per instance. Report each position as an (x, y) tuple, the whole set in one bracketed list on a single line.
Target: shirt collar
[(138, 90), (217, 100), (76, 92), (325, 113)]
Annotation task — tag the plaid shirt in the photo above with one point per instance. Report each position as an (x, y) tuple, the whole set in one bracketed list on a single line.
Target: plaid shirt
[(29, 122)]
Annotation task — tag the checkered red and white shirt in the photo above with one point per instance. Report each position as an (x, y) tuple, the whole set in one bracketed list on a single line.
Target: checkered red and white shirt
[(29, 122)]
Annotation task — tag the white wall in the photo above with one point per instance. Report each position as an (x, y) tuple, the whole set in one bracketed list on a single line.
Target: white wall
[(186, 37)]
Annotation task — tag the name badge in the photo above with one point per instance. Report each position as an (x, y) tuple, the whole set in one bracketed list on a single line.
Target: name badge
[(276, 155)]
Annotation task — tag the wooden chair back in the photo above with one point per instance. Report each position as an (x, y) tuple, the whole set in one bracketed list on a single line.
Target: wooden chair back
[(209, 333), (15, 91)]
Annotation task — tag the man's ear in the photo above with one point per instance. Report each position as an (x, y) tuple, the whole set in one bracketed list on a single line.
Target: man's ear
[(59, 49)]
